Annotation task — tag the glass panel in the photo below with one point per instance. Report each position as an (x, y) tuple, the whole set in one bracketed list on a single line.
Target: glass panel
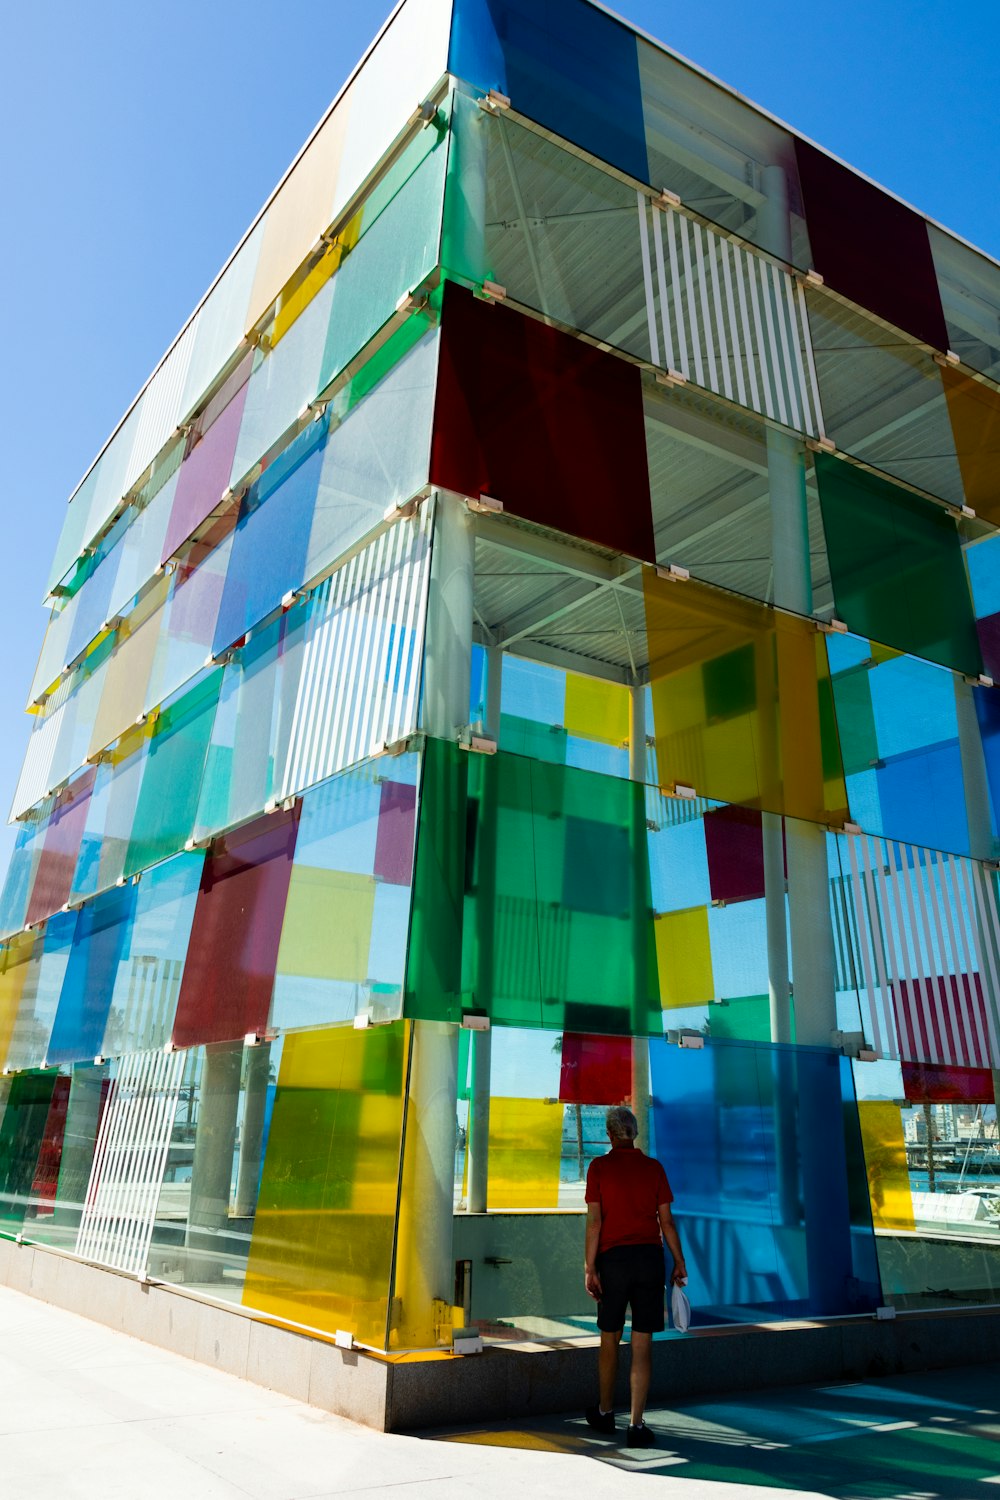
[(902, 426), (63, 1175), (898, 724), (126, 683), (547, 425), (330, 486), (930, 1176), (551, 867), (171, 784), (233, 950), (573, 69), (723, 157), (20, 959), (974, 409), (935, 1083), (734, 844), (322, 1245), (148, 978), (142, 543), (188, 630), (54, 875), (343, 939), (740, 697), (921, 604), (204, 474), (252, 724), (22, 1142), (969, 284), (763, 1151), (40, 991), (888, 268), (595, 1069), (524, 1153), (99, 943), (222, 319), (106, 837)]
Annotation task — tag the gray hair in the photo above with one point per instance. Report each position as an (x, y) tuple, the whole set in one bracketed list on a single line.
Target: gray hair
[(622, 1123)]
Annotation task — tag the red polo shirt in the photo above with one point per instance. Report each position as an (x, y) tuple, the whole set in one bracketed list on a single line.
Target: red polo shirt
[(630, 1188)]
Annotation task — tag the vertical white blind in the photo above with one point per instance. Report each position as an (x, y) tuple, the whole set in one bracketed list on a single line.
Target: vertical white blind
[(728, 320), (129, 1161), (360, 681), (926, 933)]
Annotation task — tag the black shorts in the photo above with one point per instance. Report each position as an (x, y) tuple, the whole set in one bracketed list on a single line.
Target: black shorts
[(632, 1275)]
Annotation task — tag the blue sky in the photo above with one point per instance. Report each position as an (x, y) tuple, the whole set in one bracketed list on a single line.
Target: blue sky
[(139, 141)]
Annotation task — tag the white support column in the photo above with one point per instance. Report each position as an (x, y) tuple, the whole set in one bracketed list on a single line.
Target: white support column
[(976, 786), (257, 1071), (481, 1042), (494, 689), (448, 652), (637, 771)]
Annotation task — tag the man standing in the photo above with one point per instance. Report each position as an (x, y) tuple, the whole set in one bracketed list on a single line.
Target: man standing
[(628, 1217)]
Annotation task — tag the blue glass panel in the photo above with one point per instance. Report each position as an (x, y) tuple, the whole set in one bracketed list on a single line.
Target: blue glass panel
[(101, 936), (272, 537), (40, 994), (570, 67), (922, 798), (20, 875), (763, 1151), (988, 713)]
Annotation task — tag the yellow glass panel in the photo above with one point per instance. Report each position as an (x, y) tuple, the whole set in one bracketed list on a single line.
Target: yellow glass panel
[(294, 302), (738, 691), (15, 966), (128, 674), (885, 1159), (684, 958), (321, 1248), (328, 924), (596, 710), (974, 409), (524, 1153), (300, 212)]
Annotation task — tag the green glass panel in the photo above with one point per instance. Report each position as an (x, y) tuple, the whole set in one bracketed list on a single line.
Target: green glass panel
[(171, 785), (322, 1245), (897, 569), (529, 737), (22, 1132), (537, 875), (852, 698)]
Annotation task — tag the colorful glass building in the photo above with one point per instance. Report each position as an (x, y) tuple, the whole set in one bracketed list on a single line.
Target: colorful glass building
[(528, 647)]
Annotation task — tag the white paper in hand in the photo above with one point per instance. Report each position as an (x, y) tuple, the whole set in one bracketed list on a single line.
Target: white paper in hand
[(680, 1309)]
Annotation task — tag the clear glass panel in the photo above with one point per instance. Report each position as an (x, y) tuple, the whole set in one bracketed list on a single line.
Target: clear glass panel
[(39, 993), (969, 284), (236, 931), (343, 938), (902, 426), (222, 319), (930, 1152), (59, 1191), (185, 638), (322, 1247), (148, 978)]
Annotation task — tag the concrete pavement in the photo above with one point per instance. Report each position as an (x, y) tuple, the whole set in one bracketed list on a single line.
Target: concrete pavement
[(90, 1414)]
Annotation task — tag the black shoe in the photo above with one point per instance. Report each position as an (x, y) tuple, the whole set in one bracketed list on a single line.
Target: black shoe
[(601, 1421), (640, 1437)]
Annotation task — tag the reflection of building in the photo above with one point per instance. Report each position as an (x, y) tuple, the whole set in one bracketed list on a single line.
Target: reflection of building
[(568, 520)]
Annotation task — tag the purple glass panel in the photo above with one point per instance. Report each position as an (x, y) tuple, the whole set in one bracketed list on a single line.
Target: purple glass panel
[(394, 841), (61, 849), (205, 472)]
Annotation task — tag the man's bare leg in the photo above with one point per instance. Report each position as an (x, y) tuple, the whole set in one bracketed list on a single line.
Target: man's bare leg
[(642, 1361), (608, 1367)]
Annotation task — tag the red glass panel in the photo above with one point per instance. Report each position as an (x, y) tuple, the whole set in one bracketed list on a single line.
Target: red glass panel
[(933, 1083), (988, 630), (54, 878), (229, 974), (869, 247), (595, 1069), (543, 422), (943, 1015), (43, 1188), (735, 848), (394, 840)]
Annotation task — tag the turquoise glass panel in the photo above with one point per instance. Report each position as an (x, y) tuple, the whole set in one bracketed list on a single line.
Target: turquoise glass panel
[(171, 784)]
